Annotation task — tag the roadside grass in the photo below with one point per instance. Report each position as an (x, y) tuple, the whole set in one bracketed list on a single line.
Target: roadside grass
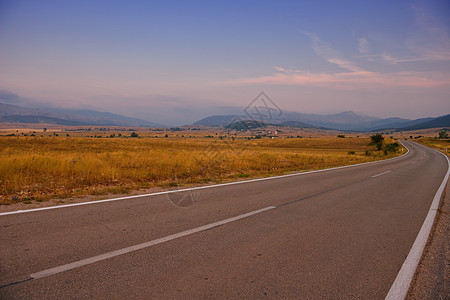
[(44, 168)]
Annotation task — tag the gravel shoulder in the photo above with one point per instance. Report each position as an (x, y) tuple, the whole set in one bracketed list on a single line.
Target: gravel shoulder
[(431, 280)]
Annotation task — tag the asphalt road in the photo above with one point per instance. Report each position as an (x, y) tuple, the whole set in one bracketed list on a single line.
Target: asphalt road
[(339, 234)]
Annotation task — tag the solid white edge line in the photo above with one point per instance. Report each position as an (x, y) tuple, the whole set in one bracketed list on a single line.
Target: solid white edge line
[(198, 188), (381, 174), (115, 253), (400, 287)]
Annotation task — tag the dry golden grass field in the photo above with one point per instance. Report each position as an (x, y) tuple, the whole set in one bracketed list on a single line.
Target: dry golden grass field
[(35, 169)]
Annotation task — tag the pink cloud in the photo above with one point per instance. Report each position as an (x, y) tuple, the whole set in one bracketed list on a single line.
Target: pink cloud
[(349, 80), (353, 76)]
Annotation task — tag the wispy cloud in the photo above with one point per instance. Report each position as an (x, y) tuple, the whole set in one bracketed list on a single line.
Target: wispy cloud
[(363, 45), (325, 51), (352, 76), (351, 80), (430, 41)]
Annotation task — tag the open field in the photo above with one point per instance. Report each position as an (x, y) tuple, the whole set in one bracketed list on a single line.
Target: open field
[(35, 169), (194, 131), (416, 134)]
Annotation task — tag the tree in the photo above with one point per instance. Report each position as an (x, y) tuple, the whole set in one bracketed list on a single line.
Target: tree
[(134, 134), (443, 134), (377, 140)]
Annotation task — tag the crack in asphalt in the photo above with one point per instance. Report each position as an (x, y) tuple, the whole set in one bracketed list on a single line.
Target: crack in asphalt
[(321, 193), (16, 283)]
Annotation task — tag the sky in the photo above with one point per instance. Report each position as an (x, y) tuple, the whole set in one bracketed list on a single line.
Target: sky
[(174, 62)]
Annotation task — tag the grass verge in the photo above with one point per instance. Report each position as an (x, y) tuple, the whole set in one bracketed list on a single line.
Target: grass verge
[(36, 169)]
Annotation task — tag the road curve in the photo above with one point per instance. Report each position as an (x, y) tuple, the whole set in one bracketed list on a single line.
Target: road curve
[(342, 233)]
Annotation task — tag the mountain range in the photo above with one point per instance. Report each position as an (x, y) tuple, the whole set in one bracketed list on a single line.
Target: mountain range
[(345, 121), (16, 114)]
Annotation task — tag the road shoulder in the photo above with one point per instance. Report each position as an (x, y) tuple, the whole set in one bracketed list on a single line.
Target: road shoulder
[(431, 278)]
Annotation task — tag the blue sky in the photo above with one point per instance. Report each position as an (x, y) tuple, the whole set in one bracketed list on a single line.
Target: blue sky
[(174, 62)]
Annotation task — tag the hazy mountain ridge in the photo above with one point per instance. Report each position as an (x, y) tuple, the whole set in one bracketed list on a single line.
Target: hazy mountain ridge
[(32, 119), (218, 120), (17, 114), (296, 124), (442, 121), (246, 124), (345, 121)]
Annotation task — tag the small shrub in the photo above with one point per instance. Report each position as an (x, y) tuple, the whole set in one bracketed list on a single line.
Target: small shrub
[(443, 134), (392, 147), (341, 136), (243, 175), (351, 152)]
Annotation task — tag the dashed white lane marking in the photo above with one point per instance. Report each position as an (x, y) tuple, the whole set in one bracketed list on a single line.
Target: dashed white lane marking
[(111, 254), (381, 174)]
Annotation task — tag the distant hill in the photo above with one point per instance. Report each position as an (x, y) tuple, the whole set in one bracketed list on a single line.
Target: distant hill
[(296, 124), (105, 118), (404, 123), (17, 114), (343, 118), (241, 122), (218, 121), (345, 121), (443, 121), (245, 125), (9, 109), (38, 120)]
